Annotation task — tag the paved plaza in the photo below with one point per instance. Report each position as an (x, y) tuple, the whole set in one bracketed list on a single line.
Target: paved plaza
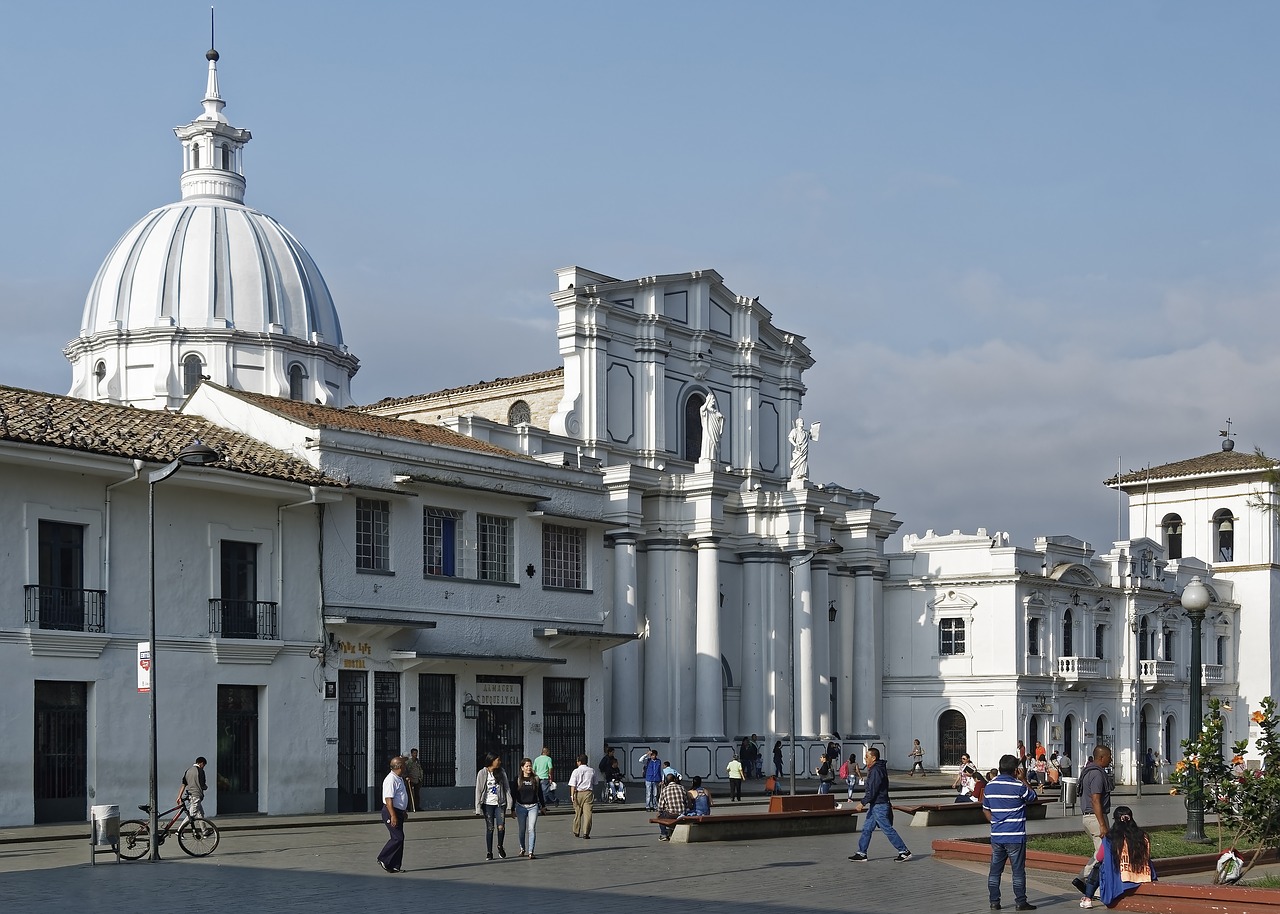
[(327, 864)]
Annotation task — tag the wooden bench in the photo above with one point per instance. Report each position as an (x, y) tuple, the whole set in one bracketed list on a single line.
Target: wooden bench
[(968, 813), (804, 802), (753, 826)]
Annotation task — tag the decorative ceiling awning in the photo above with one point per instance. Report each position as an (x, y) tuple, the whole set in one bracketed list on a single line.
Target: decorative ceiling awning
[(359, 626), (426, 661), (576, 637)]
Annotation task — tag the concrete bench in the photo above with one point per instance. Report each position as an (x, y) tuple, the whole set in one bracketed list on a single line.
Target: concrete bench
[(753, 826), (968, 813)]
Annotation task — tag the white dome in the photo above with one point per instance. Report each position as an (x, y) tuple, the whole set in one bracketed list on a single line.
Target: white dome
[(209, 288), (208, 263)]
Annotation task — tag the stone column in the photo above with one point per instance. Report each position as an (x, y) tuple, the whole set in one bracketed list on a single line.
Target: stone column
[(659, 657), (708, 673), (803, 676), (752, 714), (820, 675), (866, 653), (627, 659)]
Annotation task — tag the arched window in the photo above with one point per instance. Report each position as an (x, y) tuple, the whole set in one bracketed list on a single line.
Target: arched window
[(1068, 645), (1103, 731), (226, 157), (519, 413), (693, 426), (1099, 641), (297, 382), (953, 738), (1144, 640), (192, 374), (1224, 535), (1171, 526), (99, 376), (195, 155)]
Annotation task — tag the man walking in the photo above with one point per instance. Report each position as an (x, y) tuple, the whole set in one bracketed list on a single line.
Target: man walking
[(879, 812), (395, 803), (191, 791), (652, 780), (581, 794), (1004, 803), (1095, 806), (542, 770), (414, 776)]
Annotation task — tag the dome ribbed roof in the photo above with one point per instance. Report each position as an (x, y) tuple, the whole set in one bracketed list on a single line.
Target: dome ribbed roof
[(211, 263)]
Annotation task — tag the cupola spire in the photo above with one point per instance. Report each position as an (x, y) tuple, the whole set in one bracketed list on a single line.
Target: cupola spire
[(211, 147)]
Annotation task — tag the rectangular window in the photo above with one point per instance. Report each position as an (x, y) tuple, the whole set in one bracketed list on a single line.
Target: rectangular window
[(494, 542), (561, 556), (60, 601), (1033, 637), (373, 535), (440, 529), (951, 637), (1099, 641), (238, 614), (437, 722)]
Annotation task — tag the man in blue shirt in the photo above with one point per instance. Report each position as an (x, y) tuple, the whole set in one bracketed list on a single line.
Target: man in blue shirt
[(652, 779), (1005, 805)]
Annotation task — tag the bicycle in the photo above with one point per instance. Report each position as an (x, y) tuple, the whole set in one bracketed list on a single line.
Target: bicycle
[(197, 836)]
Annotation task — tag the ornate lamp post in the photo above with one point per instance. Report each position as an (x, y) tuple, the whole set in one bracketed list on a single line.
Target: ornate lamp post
[(1195, 600), (195, 454)]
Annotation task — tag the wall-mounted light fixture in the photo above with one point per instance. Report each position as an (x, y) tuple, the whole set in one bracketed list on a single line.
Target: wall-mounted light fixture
[(529, 570), (831, 611), (470, 707)]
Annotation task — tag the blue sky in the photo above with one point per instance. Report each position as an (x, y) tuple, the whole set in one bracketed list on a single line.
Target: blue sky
[(1024, 241)]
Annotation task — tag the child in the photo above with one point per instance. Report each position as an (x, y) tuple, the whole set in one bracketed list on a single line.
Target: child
[(1123, 862)]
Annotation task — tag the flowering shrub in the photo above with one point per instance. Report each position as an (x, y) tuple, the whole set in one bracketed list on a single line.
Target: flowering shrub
[(1246, 801)]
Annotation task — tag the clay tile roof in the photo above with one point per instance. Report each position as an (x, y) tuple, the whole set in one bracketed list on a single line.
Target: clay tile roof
[(156, 436), (1208, 465), (469, 388), (355, 420)]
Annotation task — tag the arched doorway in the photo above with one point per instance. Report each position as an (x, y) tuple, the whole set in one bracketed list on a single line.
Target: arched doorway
[(1069, 741), (1102, 732), (953, 738), (1033, 732)]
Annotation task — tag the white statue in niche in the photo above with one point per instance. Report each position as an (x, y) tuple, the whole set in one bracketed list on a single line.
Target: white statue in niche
[(799, 438), (712, 428)]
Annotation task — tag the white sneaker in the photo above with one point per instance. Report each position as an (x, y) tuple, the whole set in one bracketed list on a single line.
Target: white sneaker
[(1086, 902)]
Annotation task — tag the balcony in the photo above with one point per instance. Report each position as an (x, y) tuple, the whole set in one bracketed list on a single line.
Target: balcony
[(65, 609), (1075, 670), (1155, 673), (1213, 674), (245, 619)]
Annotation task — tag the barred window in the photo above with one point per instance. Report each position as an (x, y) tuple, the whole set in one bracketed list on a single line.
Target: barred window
[(373, 534), (494, 541), (440, 529), (951, 637), (561, 556)]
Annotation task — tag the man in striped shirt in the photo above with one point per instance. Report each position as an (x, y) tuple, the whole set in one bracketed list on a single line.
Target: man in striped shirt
[(1005, 806)]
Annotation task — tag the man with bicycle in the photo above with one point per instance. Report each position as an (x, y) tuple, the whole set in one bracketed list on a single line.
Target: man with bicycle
[(191, 793)]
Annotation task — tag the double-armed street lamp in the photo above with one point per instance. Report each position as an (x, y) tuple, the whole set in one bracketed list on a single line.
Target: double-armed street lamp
[(798, 560), (195, 454)]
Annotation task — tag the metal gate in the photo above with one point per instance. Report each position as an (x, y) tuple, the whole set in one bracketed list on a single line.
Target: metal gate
[(353, 741), (237, 772), (500, 728), (564, 721), (386, 722), (953, 738), (437, 730), (62, 737)]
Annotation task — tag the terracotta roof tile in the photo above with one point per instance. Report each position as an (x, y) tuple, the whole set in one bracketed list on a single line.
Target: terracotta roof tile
[(469, 388), (1209, 464), (156, 436), (356, 420)]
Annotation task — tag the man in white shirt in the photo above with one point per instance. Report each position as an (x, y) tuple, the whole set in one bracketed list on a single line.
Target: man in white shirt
[(395, 803), (581, 792)]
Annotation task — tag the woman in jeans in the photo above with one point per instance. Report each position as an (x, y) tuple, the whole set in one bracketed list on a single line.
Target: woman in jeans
[(527, 792), (493, 801)]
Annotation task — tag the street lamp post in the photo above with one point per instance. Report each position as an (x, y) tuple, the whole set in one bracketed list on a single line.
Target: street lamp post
[(798, 561), (1195, 600), (194, 454)]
